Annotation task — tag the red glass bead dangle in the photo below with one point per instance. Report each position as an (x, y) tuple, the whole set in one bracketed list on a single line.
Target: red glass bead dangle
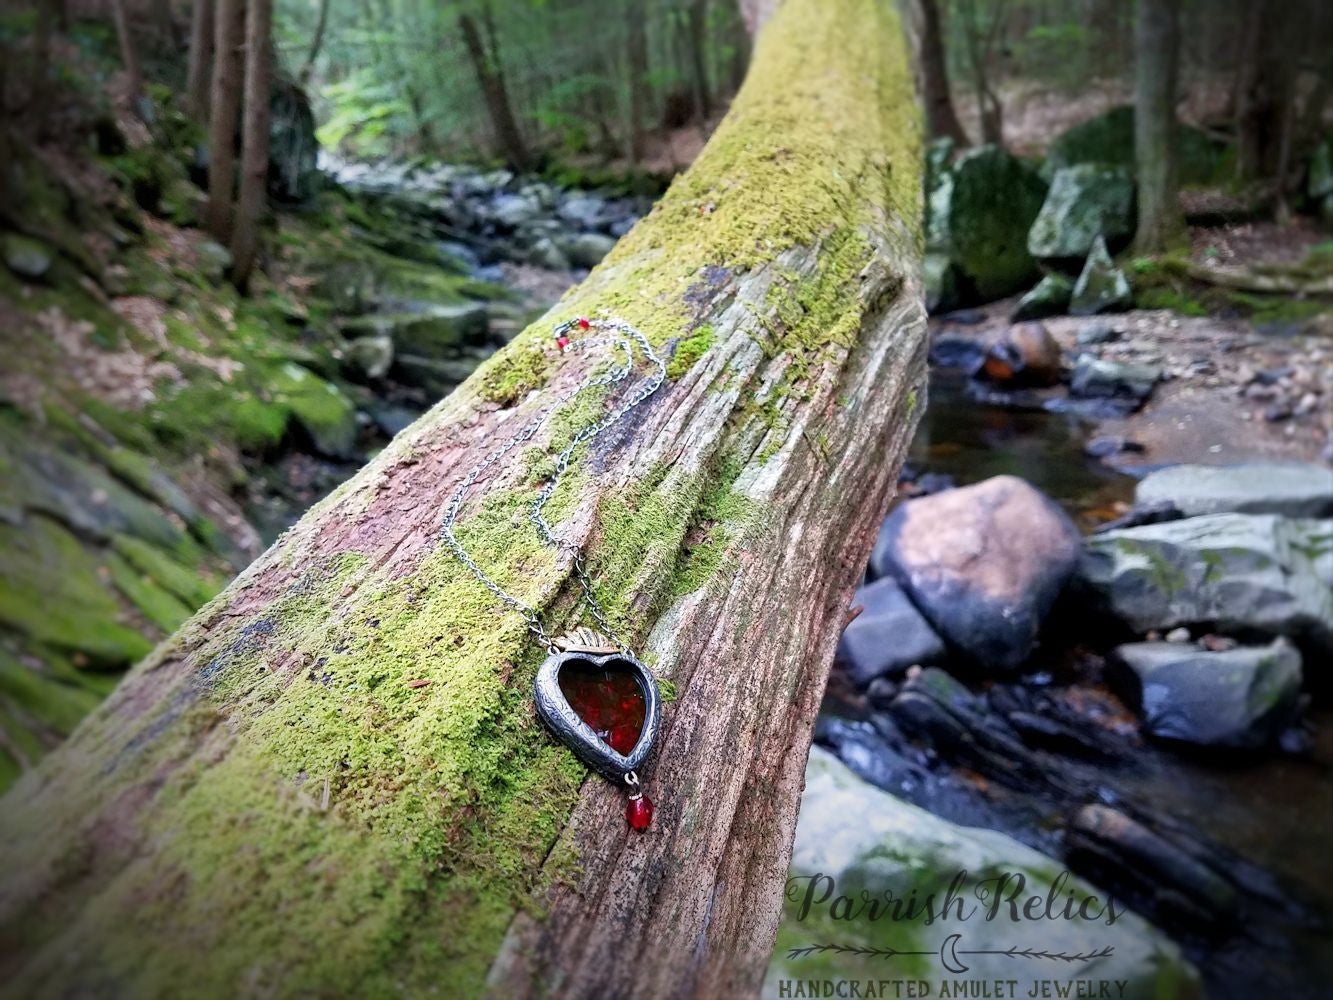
[(639, 812)]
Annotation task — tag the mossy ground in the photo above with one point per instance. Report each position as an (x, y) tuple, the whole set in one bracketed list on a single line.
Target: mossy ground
[(133, 368)]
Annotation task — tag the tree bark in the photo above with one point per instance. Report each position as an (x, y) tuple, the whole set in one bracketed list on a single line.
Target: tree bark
[(200, 60), (129, 54), (331, 780), (1156, 153), (493, 91), (941, 119), (229, 17), (254, 138)]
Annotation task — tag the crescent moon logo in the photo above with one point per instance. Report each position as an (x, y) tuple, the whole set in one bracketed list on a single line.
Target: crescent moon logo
[(949, 954)]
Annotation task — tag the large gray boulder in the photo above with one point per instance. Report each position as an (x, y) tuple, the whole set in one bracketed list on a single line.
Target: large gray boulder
[(1084, 202), (1240, 698), (1240, 573), (1101, 286), (1095, 378), (853, 838), (983, 563), (1294, 489), (980, 211), (888, 636)]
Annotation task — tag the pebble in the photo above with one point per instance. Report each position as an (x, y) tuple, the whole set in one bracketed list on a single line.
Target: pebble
[(1181, 634)]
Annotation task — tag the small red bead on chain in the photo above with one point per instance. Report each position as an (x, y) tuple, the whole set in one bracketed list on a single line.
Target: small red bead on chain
[(639, 812), (639, 808)]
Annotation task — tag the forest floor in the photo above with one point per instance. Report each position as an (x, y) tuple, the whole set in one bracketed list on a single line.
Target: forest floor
[(1232, 390)]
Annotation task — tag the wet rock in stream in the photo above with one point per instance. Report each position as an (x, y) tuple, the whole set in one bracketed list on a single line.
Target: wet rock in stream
[(1243, 573), (888, 636), (983, 563), (1241, 698)]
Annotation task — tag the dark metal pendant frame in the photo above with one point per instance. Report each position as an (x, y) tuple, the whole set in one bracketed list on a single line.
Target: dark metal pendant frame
[(576, 734)]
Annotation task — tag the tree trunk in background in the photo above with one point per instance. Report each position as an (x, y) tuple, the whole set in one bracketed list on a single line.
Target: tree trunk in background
[(697, 28), (129, 55), (1157, 41), (1266, 92), (316, 43), (254, 138), (201, 56), (637, 58), (989, 109), (228, 24), (491, 81), (39, 93), (941, 120), (331, 780)]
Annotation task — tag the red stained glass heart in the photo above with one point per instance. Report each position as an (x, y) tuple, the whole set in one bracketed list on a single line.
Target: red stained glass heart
[(609, 701)]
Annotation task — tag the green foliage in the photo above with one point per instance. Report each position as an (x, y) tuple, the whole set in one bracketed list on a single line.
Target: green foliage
[(363, 111)]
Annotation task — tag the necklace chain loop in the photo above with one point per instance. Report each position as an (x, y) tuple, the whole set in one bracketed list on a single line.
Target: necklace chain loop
[(618, 335)]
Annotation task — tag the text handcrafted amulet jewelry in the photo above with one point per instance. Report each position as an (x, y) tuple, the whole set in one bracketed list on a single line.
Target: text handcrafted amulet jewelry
[(592, 693)]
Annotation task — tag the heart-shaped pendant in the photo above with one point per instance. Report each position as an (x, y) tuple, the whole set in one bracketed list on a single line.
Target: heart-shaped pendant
[(614, 690)]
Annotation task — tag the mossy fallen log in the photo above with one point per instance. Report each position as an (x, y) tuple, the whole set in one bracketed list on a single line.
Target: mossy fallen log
[(331, 780)]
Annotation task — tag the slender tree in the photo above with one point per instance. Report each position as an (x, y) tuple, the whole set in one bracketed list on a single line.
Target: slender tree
[(40, 90), (254, 137), (696, 25), (1157, 40), (200, 58), (981, 41), (637, 59), (226, 102), (129, 55), (490, 79), (316, 43), (941, 119)]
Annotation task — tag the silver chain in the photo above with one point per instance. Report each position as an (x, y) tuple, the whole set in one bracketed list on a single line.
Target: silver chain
[(619, 335)]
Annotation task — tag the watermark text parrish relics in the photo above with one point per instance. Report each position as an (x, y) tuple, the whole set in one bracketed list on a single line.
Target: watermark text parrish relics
[(1002, 896)]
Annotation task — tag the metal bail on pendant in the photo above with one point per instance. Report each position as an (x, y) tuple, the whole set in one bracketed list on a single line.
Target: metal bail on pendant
[(591, 651)]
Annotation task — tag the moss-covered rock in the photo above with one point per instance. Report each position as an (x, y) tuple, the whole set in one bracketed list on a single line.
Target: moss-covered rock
[(319, 407), (25, 256), (51, 593), (1108, 138), (856, 843), (293, 174), (430, 331), (980, 213), (1048, 297), (1085, 201)]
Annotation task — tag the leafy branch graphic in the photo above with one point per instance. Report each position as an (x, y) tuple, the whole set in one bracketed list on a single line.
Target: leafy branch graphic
[(949, 953)]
